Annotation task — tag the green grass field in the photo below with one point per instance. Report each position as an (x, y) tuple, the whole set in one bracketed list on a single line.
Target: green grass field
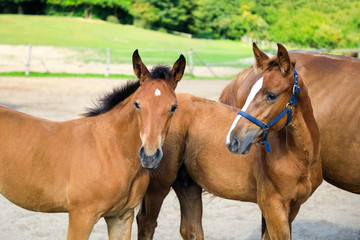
[(81, 34)]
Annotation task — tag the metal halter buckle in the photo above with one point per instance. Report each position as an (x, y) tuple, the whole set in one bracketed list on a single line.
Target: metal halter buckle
[(287, 106), (296, 90)]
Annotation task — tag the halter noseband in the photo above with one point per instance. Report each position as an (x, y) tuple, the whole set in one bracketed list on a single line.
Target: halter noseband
[(287, 110)]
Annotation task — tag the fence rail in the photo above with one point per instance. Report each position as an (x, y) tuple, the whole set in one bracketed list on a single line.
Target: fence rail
[(102, 61), (16, 58)]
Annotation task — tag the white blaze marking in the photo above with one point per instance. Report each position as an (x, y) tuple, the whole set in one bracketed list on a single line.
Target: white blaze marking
[(254, 90), (157, 92), (232, 128)]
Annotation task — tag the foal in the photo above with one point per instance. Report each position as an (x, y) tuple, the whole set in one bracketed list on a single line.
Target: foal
[(333, 84), (289, 174), (90, 167), (279, 181)]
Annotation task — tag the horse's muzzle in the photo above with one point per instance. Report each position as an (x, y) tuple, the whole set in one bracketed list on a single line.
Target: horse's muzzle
[(152, 161), (242, 145)]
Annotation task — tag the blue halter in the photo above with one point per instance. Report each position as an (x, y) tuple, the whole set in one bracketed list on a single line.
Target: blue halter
[(287, 110)]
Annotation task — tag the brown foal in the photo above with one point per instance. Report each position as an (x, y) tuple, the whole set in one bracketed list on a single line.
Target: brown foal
[(334, 87), (90, 167)]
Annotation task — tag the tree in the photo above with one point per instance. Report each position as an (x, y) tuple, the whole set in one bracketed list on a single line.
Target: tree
[(29, 6), (168, 14), (88, 5), (229, 19), (144, 13)]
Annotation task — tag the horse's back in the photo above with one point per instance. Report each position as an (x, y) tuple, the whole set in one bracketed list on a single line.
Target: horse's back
[(23, 129)]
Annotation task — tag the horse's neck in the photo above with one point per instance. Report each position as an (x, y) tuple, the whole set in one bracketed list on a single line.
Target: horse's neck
[(296, 145), (302, 134), (121, 121)]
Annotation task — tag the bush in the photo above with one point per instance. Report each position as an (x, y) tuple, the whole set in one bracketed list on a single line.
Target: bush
[(112, 19)]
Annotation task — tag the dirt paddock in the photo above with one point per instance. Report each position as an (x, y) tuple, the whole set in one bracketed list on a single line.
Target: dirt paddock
[(329, 214)]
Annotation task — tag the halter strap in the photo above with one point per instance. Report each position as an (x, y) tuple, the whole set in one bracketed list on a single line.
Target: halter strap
[(288, 110)]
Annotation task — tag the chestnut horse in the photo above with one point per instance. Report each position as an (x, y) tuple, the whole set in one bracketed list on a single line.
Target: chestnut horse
[(90, 167), (278, 181), (334, 88)]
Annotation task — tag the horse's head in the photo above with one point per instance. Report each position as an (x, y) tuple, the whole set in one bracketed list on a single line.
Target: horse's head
[(155, 103), (268, 96)]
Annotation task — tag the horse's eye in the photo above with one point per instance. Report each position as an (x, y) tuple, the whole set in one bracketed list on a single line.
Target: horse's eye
[(173, 108), (271, 97), (136, 105)]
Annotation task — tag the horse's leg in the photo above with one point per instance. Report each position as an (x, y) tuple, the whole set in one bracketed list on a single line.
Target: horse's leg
[(293, 212), (81, 224), (276, 214), (119, 227), (191, 209), (149, 211)]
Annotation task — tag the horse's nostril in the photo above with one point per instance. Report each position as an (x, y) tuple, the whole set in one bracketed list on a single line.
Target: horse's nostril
[(235, 143), (157, 154), (142, 152)]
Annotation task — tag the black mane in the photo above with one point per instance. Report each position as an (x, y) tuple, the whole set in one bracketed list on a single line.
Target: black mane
[(113, 98), (160, 72), (119, 94)]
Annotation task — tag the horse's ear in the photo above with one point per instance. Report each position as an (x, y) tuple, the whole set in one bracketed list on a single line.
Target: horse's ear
[(284, 60), (178, 69), (140, 69), (260, 57)]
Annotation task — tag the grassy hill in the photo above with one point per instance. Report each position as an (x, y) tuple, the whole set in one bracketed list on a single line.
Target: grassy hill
[(82, 34)]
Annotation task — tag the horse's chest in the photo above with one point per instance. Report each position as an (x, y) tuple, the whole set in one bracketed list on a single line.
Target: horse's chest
[(290, 179), (126, 198)]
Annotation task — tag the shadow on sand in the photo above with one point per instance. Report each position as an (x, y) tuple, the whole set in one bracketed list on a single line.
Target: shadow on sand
[(12, 106), (316, 230)]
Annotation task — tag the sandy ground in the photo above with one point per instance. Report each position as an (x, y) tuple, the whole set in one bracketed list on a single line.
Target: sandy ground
[(329, 214)]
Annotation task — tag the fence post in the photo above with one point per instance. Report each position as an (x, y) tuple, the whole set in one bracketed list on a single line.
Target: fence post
[(107, 62), (27, 70), (191, 62), (205, 64)]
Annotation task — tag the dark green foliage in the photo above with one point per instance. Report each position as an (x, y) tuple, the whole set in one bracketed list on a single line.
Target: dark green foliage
[(23, 6), (311, 23), (318, 24), (169, 14), (228, 19)]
